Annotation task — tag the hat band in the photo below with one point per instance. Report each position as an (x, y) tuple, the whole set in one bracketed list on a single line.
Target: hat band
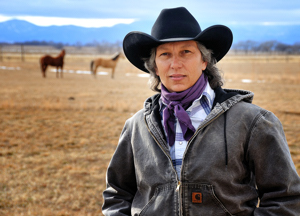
[(176, 39)]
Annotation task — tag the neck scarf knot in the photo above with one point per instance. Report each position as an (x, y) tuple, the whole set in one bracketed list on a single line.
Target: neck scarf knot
[(177, 103)]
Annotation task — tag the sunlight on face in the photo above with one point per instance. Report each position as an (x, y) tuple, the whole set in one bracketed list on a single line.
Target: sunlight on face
[(179, 65)]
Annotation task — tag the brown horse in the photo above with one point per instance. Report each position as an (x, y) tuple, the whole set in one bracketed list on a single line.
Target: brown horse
[(57, 61), (106, 63)]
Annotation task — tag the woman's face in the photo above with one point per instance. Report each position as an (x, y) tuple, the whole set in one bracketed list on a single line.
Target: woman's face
[(179, 65)]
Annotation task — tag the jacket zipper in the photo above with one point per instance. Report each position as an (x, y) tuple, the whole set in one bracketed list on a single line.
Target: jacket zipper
[(195, 134), (178, 188), (188, 144)]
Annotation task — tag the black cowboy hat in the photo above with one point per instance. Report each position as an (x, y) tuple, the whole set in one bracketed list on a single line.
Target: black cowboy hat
[(176, 24)]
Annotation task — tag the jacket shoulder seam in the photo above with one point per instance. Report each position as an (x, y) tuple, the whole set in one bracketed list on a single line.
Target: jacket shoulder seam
[(257, 118)]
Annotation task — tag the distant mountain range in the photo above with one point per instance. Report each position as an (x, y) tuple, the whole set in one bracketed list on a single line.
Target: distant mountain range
[(22, 31)]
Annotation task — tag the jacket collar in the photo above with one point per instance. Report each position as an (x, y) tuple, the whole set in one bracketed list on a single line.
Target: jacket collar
[(232, 96), (229, 97)]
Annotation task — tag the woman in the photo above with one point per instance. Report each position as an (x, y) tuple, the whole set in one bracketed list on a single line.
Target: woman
[(195, 148)]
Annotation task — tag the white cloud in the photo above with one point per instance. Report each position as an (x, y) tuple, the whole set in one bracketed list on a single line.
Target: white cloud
[(4, 18), (279, 23), (60, 21)]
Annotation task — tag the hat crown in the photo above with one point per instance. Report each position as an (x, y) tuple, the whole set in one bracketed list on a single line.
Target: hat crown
[(175, 23), (172, 25)]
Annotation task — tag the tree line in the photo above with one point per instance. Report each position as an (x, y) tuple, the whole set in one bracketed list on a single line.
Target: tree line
[(103, 47), (266, 47), (248, 46)]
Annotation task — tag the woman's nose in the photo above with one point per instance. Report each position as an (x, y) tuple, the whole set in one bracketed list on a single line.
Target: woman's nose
[(175, 62)]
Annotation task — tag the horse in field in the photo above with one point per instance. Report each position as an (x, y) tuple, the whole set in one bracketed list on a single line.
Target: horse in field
[(57, 61), (106, 63)]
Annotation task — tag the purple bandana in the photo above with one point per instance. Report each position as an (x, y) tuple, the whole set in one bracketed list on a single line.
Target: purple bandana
[(178, 102)]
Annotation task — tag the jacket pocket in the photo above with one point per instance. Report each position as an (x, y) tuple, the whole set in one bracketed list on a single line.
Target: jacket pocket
[(164, 202), (200, 199)]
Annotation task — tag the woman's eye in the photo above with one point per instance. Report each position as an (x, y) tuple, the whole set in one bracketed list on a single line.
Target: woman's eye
[(164, 54), (186, 51)]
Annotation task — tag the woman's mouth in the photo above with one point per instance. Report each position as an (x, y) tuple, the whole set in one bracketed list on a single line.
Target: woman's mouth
[(177, 77)]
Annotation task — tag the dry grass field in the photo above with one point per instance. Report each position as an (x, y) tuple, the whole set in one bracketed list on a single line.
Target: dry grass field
[(58, 135)]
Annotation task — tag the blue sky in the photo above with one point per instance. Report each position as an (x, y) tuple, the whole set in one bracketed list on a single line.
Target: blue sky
[(97, 13)]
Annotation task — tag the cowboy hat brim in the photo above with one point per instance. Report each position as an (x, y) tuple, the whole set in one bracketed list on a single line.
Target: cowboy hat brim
[(137, 45)]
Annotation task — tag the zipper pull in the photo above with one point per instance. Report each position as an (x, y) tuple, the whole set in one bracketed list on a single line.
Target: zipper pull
[(178, 186)]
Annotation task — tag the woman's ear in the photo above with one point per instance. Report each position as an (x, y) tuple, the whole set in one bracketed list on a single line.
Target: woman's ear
[(156, 71), (204, 65)]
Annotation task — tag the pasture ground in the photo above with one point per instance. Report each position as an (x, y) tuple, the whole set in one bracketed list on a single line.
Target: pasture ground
[(58, 135)]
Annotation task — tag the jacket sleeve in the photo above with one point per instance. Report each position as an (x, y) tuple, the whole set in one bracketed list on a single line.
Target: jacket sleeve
[(277, 181), (120, 179)]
